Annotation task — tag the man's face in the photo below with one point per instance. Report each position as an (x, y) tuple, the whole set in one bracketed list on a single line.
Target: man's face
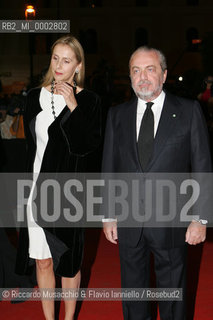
[(146, 75)]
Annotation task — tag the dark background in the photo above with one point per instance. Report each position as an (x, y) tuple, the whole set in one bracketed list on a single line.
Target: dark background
[(109, 32)]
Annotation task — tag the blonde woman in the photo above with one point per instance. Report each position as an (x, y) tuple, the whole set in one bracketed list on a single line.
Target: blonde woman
[(62, 128)]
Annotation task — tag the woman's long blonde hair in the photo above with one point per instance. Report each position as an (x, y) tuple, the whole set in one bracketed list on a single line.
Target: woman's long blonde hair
[(75, 45)]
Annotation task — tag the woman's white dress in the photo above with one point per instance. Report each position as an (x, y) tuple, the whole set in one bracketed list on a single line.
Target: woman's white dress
[(38, 246)]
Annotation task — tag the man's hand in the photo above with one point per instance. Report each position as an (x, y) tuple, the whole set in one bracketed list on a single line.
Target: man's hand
[(110, 231), (196, 233)]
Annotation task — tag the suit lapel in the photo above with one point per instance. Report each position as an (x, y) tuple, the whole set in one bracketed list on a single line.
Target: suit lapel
[(130, 132), (166, 126)]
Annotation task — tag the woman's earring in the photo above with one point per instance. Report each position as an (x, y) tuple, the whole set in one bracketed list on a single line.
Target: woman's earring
[(76, 71)]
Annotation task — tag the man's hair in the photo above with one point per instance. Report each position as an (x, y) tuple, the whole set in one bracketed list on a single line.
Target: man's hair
[(159, 53)]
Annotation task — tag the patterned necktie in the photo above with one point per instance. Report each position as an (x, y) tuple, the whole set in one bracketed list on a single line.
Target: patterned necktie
[(146, 136)]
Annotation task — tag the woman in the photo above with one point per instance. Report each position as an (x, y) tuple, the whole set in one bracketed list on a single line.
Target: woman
[(62, 128)]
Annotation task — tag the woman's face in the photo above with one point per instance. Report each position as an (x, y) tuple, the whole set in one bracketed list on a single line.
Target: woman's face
[(64, 63)]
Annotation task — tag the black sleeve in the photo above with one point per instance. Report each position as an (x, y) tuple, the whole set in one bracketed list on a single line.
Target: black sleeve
[(82, 126)]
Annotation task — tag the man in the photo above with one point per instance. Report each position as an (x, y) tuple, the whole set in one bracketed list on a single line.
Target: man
[(178, 143)]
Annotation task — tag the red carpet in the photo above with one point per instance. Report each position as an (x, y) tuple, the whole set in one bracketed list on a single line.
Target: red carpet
[(101, 269)]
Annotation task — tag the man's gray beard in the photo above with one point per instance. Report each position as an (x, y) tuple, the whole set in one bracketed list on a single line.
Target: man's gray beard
[(145, 96), (148, 95)]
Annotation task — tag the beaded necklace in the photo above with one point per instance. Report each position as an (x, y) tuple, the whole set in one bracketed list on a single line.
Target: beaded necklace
[(52, 99), (52, 95)]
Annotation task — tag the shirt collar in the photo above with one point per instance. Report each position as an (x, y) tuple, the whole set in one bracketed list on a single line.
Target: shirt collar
[(157, 101)]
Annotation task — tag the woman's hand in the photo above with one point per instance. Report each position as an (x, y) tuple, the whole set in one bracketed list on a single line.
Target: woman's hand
[(67, 92)]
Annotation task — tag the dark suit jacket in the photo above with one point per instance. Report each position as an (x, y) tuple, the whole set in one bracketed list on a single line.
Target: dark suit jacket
[(180, 146)]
